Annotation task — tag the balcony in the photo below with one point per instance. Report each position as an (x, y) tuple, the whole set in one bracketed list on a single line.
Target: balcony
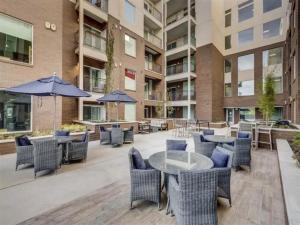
[(153, 96), (96, 9), (180, 42), (150, 9), (94, 80), (179, 18), (179, 68), (153, 39), (180, 96), (100, 4), (152, 66)]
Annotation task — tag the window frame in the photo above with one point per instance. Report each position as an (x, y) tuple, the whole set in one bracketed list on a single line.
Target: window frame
[(242, 6), (279, 28), (135, 78), (126, 53), (248, 42), (228, 13), (230, 61), (125, 15), (253, 76), (230, 46), (263, 7)]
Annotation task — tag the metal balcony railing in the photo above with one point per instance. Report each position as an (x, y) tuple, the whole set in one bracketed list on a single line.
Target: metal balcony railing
[(153, 39), (180, 42), (180, 96), (179, 68), (101, 4), (95, 85), (152, 10), (153, 96), (152, 66), (93, 39)]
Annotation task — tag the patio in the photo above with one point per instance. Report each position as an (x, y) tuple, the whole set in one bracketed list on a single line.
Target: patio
[(97, 192)]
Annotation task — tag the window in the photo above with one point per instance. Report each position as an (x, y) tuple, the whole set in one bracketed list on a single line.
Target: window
[(295, 66), (277, 114), (246, 10), (295, 111), (15, 39), (245, 36), (272, 66), (130, 79), (247, 114), (15, 112), (246, 75), (227, 77), (94, 79), (272, 28), (96, 113), (228, 42), (130, 112), (269, 5), (129, 12), (130, 46), (228, 18)]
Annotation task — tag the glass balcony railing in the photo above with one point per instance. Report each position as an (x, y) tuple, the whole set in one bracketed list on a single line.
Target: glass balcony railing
[(152, 66), (101, 4), (94, 40), (152, 10), (180, 96), (180, 15), (179, 68), (153, 96), (153, 39), (94, 80), (180, 42)]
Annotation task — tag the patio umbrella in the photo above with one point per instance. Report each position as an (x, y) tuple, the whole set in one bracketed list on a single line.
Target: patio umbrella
[(117, 97), (49, 86)]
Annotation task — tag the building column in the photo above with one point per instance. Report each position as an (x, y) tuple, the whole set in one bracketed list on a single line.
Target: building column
[(80, 54), (189, 60)]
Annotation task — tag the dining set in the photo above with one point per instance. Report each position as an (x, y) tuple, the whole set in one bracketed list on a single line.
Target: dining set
[(51, 152), (192, 180), (115, 135)]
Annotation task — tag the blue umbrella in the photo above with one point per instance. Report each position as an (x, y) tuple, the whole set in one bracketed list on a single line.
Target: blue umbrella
[(49, 86), (117, 97)]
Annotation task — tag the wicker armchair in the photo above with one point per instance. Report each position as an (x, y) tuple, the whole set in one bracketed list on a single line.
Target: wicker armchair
[(24, 154), (224, 176), (117, 137), (105, 136), (208, 132), (129, 135), (78, 150), (241, 152), (145, 184), (47, 155), (171, 143), (203, 147), (193, 199)]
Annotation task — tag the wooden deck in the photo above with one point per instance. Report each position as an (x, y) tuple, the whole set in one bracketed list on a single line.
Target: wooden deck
[(256, 200)]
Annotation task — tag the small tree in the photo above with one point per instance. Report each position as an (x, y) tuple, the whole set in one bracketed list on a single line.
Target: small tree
[(266, 100)]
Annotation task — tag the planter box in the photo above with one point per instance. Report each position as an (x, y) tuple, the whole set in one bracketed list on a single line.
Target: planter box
[(290, 179)]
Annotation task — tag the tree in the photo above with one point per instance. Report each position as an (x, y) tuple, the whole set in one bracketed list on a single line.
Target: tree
[(266, 100)]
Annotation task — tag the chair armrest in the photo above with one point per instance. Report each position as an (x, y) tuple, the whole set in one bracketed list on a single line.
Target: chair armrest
[(228, 147), (26, 148), (138, 174)]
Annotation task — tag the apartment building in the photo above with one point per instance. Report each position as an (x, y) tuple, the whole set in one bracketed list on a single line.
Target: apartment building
[(70, 38)]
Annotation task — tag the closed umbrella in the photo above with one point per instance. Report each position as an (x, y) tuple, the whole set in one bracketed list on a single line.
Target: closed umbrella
[(49, 86), (117, 97)]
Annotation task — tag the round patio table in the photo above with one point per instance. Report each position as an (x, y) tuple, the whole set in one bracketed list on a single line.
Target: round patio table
[(65, 141), (219, 139), (171, 162)]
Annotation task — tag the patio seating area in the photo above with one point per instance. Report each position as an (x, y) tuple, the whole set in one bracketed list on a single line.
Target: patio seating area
[(97, 192)]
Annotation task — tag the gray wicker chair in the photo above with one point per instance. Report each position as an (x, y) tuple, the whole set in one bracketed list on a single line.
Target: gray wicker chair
[(203, 147), (224, 176), (24, 154), (170, 143), (241, 152), (47, 155), (193, 199), (78, 150), (208, 132), (145, 184), (117, 137), (105, 136), (129, 135)]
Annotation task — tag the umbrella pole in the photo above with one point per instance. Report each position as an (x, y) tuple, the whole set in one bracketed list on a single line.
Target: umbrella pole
[(54, 119), (117, 112)]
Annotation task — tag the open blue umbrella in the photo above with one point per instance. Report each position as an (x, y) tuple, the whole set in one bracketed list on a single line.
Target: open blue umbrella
[(117, 97), (49, 86)]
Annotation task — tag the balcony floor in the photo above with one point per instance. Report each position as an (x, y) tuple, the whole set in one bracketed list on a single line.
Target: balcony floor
[(97, 192)]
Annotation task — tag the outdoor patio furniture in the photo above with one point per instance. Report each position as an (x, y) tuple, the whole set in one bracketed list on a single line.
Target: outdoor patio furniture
[(146, 182), (224, 176), (202, 146), (115, 125), (144, 128), (78, 149), (266, 131), (243, 126), (208, 132), (117, 137), (219, 139), (193, 199), (64, 142), (62, 133), (158, 124), (129, 135), (241, 152), (177, 145), (24, 152), (47, 155), (105, 136)]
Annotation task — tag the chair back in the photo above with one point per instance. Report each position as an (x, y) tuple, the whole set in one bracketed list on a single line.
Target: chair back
[(131, 165), (208, 132), (202, 146), (115, 126), (245, 127), (102, 129), (117, 136), (243, 143), (172, 143), (228, 152), (62, 133), (85, 137)]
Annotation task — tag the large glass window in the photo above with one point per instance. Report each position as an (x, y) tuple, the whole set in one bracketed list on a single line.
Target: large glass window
[(95, 113), (129, 12), (272, 28), (272, 66), (247, 114), (269, 5), (130, 112), (246, 75), (228, 42), (130, 46), (228, 18), (245, 36), (227, 77), (15, 39), (130, 79), (15, 112), (94, 79), (246, 10), (277, 114)]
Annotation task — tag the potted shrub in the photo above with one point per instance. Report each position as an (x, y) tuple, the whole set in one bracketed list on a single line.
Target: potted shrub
[(296, 148)]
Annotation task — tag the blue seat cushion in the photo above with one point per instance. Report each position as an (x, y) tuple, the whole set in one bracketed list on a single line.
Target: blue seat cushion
[(62, 133), (243, 134), (178, 146), (202, 139), (219, 158), (138, 161), (24, 141)]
